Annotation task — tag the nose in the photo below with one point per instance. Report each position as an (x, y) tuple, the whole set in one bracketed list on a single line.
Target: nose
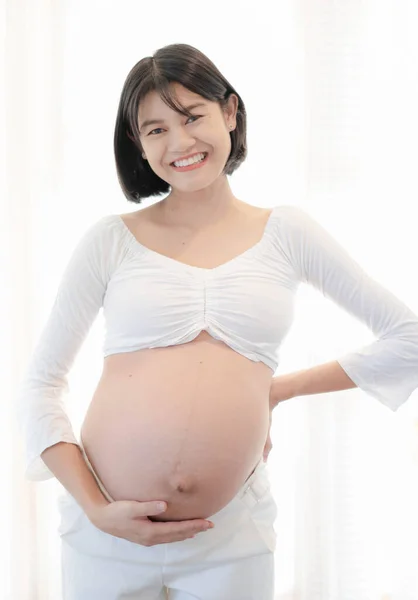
[(181, 143)]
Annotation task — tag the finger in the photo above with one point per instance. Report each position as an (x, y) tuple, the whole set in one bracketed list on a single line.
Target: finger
[(173, 530), (182, 527), (146, 509)]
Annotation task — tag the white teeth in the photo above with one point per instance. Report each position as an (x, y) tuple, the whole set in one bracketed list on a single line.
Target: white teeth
[(190, 161)]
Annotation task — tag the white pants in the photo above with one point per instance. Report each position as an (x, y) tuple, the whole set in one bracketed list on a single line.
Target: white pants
[(232, 561)]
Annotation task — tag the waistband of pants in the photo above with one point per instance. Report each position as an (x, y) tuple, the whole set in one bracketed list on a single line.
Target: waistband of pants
[(106, 493)]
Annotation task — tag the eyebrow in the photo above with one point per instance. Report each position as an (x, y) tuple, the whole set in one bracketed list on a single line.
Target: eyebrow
[(155, 121)]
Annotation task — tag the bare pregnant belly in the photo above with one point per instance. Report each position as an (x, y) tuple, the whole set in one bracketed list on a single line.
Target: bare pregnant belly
[(185, 424)]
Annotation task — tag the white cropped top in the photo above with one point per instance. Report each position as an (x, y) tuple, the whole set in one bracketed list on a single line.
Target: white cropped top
[(150, 301)]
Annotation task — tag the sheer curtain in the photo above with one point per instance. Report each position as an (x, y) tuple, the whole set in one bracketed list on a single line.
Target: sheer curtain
[(331, 93)]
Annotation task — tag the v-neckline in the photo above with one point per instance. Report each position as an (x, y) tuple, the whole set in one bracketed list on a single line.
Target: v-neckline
[(185, 266)]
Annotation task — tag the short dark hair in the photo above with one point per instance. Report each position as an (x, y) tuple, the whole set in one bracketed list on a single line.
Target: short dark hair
[(188, 66)]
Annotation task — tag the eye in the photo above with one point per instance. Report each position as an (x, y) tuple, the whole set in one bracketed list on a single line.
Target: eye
[(192, 117)]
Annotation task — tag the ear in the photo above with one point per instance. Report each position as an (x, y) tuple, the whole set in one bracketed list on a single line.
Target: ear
[(230, 110)]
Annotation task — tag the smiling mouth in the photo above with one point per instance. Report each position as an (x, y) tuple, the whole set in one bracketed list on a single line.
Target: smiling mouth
[(205, 154)]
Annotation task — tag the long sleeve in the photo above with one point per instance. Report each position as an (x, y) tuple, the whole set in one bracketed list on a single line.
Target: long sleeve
[(40, 411), (386, 369)]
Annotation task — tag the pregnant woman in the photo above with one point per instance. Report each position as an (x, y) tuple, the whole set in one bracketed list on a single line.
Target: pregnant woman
[(198, 293)]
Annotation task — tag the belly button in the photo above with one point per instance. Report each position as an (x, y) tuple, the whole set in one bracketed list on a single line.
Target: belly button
[(183, 485)]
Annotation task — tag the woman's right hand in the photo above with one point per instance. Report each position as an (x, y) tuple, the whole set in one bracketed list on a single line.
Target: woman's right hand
[(128, 519)]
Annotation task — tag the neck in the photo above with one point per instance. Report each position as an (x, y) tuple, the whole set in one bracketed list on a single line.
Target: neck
[(197, 209)]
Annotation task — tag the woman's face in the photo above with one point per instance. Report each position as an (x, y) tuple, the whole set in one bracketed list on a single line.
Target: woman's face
[(173, 136)]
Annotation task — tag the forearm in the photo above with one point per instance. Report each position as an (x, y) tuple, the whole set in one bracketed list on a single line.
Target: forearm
[(66, 462), (328, 377)]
